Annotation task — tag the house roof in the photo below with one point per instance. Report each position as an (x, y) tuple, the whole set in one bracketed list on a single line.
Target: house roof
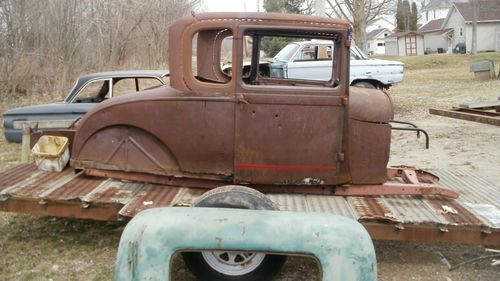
[(374, 33), (403, 33), (381, 18), (445, 31), (436, 4), (489, 10), (433, 25)]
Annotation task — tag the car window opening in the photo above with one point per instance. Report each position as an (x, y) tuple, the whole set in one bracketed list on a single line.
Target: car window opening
[(286, 58), (94, 92), (210, 52)]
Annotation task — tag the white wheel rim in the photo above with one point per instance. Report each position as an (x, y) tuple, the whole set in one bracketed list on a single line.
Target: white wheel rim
[(233, 263)]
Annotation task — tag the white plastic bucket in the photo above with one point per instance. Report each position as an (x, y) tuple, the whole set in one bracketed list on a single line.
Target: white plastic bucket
[(51, 153)]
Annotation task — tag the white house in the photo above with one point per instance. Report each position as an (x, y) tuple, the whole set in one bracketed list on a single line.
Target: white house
[(457, 25), (381, 22), (375, 41), (434, 9), (435, 39)]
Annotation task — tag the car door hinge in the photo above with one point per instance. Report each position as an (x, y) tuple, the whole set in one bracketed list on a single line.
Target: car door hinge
[(345, 100), (341, 156), (241, 99)]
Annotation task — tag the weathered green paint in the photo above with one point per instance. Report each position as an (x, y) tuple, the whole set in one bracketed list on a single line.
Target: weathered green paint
[(341, 245)]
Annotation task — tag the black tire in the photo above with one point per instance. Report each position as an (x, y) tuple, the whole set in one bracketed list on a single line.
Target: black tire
[(364, 84), (237, 197)]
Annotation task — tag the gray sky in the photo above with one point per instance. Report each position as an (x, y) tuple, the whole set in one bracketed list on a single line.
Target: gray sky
[(230, 5)]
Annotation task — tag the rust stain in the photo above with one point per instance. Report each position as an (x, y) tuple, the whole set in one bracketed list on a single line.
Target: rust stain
[(77, 188), (154, 195), (16, 175), (370, 209), (40, 184), (463, 216), (107, 195)]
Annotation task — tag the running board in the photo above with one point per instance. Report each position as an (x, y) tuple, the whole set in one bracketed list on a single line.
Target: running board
[(396, 189), (416, 182)]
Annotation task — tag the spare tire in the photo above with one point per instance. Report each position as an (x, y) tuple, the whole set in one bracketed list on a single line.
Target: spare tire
[(233, 265)]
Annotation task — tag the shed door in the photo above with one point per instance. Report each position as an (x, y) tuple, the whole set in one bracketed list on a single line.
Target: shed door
[(411, 45)]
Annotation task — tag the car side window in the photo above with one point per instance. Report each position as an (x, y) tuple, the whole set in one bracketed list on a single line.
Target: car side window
[(314, 53), (210, 53), (93, 92), (149, 83), (307, 53), (124, 86), (310, 65)]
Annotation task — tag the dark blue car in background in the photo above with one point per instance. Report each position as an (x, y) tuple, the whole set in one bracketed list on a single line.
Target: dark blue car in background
[(89, 90)]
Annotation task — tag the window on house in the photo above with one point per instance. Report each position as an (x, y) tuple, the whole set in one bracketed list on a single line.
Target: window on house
[(368, 45), (380, 44), (461, 31)]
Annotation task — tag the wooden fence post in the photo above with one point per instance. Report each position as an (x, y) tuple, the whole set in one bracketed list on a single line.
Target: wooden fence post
[(26, 142)]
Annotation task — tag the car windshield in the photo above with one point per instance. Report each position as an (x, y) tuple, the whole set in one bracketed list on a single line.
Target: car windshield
[(287, 52), (356, 53)]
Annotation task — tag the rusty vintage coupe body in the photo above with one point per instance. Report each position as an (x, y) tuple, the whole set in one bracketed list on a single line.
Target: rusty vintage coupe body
[(253, 128)]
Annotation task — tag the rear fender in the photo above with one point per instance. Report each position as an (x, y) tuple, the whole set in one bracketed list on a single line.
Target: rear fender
[(126, 148)]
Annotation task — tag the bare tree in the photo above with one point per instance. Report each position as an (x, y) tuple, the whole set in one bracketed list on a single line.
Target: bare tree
[(359, 13), (46, 44)]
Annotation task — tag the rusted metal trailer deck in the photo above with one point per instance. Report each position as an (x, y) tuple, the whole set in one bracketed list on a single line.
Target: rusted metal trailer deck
[(483, 112), (473, 218)]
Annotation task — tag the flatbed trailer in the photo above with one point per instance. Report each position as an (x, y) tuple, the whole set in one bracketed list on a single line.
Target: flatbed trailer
[(472, 218), (483, 112)]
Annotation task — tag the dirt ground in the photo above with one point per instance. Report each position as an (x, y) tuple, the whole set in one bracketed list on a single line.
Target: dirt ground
[(39, 248)]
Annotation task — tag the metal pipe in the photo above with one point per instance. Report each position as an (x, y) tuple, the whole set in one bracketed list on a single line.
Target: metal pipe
[(418, 130)]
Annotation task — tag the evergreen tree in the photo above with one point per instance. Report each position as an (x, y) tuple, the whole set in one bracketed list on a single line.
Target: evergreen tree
[(272, 45), (414, 16), (400, 21), (284, 6), (274, 6), (294, 6), (406, 14)]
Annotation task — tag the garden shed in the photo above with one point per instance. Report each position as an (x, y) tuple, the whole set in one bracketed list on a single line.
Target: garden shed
[(407, 43)]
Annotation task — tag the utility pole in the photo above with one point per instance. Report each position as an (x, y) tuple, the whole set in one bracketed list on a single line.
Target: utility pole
[(320, 8), (475, 15)]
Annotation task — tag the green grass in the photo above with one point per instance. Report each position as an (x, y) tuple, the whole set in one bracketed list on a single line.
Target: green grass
[(10, 153), (43, 248), (441, 81), (444, 60)]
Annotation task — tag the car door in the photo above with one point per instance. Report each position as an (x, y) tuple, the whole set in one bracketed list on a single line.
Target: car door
[(311, 62), (287, 138), (288, 132)]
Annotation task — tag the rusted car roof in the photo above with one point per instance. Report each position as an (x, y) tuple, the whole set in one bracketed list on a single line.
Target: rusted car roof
[(182, 28)]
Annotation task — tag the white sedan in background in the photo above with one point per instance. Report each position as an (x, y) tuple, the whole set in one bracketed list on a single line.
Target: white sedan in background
[(312, 60)]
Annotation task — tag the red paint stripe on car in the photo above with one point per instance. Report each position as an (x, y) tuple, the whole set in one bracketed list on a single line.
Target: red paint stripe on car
[(294, 168)]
